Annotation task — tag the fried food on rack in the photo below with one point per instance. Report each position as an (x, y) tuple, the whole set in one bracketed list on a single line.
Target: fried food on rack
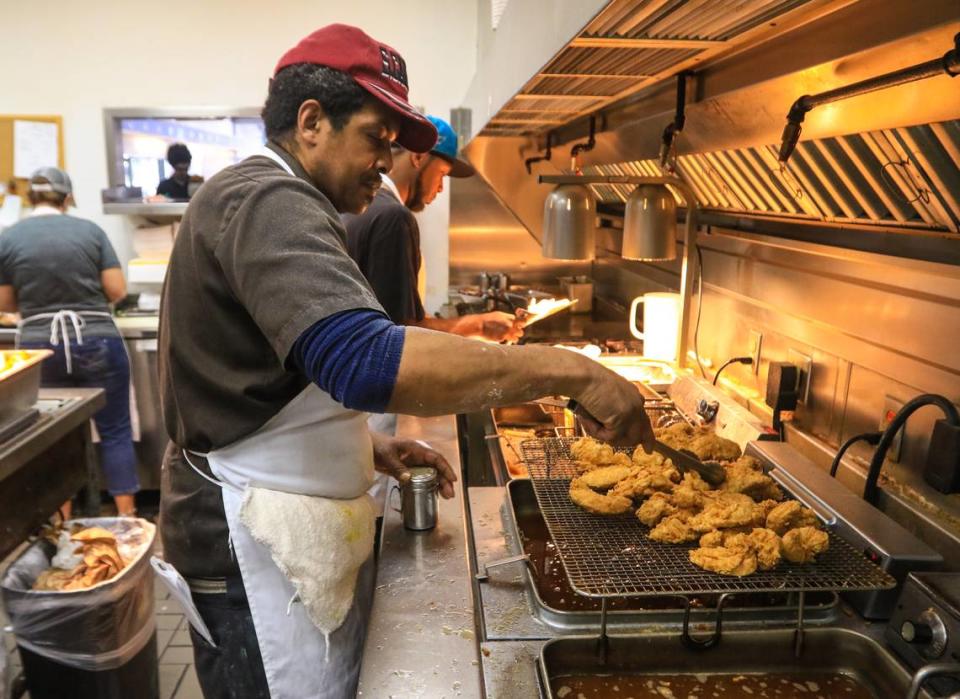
[(687, 495), (736, 559), (766, 544), (605, 477), (712, 447), (745, 475), (655, 508), (642, 483), (674, 529), (720, 537), (610, 504), (678, 435), (590, 454), (724, 510), (790, 515), (804, 544)]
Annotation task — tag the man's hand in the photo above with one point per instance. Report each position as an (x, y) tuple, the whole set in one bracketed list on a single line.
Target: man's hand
[(501, 327), (611, 409), (394, 455)]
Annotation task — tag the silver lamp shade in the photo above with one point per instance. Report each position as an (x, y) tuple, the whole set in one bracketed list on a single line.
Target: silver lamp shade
[(650, 224), (569, 223)]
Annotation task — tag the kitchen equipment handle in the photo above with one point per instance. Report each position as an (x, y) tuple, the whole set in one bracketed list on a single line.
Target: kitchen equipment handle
[(634, 330), (390, 498), (928, 671)]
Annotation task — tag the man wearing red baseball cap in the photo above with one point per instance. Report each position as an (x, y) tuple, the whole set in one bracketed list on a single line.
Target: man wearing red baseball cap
[(273, 349)]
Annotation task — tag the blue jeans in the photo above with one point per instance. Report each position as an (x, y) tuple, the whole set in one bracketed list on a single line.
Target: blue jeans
[(100, 362)]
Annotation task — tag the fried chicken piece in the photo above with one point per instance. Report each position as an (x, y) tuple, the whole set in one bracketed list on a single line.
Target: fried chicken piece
[(591, 454), (655, 509), (722, 537), (678, 435), (766, 544), (726, 510), (644, 460), (585, 497), (767, 507), (605, 477), (726, 560), (712, 447), (689, 494), (803, 544), (790, 515), (673, 529), (642, 483), (745, 475)]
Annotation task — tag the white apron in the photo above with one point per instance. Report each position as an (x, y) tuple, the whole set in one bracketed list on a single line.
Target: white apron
[(301, 528)]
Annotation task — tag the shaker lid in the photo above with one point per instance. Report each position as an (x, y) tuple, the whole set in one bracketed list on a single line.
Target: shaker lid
[(423, 475)]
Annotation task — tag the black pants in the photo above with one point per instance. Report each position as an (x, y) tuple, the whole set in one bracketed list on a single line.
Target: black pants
[(234, 669)]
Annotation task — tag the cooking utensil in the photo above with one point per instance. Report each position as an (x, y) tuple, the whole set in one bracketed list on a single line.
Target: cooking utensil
[(561, 305), (710, 471)]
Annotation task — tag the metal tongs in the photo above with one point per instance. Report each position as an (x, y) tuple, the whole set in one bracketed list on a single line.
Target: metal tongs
[(710, 471)]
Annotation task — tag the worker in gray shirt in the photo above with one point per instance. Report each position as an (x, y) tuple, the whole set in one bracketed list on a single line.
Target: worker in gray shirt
[(60, 273)]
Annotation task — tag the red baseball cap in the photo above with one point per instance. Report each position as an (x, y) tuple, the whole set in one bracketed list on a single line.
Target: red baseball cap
[(376, 67)]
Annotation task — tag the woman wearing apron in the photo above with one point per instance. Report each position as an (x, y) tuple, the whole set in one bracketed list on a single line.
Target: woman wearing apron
[(272, 350), (60, 273)]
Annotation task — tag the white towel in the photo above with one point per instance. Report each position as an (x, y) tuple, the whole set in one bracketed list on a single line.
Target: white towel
[(318, 543)]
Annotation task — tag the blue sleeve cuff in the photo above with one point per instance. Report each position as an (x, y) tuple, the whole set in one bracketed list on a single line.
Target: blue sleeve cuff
[(354, 356)]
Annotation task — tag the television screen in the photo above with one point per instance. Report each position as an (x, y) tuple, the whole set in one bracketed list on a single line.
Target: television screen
[(214, 143)]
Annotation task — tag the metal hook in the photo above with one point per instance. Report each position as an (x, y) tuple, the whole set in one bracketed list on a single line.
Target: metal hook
[(922, 194), (714, 638)]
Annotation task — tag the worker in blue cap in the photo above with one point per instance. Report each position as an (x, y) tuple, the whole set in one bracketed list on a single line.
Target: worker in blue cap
[(385, 240)]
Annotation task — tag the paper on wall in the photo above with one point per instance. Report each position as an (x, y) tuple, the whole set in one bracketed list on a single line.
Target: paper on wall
[(10, 210), (34, 146)]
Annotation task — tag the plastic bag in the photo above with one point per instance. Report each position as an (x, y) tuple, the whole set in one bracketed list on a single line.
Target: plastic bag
[(100, 628)]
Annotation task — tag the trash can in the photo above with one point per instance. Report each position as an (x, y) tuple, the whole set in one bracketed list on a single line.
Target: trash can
[(97, 643)]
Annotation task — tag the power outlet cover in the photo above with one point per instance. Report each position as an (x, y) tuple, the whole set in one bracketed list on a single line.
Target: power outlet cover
[(803, 362), (753, 349)]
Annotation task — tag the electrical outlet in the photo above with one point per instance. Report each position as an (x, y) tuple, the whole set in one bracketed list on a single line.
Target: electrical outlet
[(891, 406), (804, 363), (753, 349)]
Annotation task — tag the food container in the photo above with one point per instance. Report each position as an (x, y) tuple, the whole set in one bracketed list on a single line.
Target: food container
[(20, 383), (419, 498), (579, 290)]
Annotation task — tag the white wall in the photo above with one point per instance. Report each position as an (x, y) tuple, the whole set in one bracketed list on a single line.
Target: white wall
[(76, 58)]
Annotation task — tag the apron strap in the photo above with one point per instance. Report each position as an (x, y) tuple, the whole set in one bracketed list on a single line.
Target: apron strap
[(200, 473), (60, 323)]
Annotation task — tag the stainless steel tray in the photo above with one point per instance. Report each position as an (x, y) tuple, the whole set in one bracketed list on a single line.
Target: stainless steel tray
[(826, 650), (20, 385), (614, 557)]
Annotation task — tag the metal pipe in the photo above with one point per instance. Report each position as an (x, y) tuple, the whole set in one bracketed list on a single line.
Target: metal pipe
[(547, 155), (588, 145), (674, 128), (689, 267), (949, 63)]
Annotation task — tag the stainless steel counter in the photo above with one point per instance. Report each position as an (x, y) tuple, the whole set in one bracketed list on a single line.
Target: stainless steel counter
[(422, 639)]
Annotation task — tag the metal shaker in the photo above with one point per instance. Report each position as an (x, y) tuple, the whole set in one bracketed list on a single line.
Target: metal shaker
[(419, 498)]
